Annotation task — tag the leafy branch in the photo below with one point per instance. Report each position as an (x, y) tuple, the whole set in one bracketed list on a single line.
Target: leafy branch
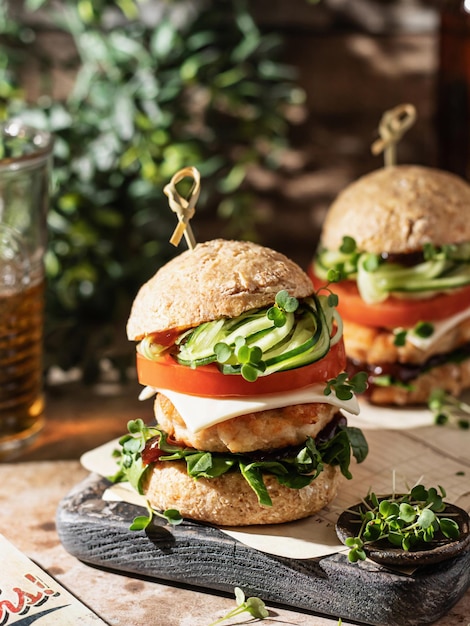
[(147, 99)]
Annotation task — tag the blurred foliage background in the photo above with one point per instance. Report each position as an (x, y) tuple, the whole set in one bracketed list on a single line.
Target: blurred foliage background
[(155, 85)]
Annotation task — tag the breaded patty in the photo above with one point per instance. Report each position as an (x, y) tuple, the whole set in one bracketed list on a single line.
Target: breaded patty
[(450, 377), (265, 430), (376, 345)]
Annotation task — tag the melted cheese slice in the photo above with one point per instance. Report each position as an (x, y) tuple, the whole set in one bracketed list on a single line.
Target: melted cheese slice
[(440, 329), (199, 412)]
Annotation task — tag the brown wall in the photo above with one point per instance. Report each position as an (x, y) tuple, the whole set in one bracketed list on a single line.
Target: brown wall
[(350, 78)]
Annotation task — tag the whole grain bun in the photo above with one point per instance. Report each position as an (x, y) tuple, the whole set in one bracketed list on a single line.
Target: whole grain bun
[(219, 278), (229, 500), (399, 209)]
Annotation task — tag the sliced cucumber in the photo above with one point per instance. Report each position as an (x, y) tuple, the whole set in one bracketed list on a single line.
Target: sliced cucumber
[(272, 337), (444, 268), (311, 350), (335, 259), (301, 334), (199, 346), (303, 337), (437, 285), (429, 277), (249, 328)]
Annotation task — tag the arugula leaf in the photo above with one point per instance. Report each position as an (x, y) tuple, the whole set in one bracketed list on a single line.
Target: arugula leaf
[(254, 477), (357, 441), (336, 451), (309, 459), (207, 465)]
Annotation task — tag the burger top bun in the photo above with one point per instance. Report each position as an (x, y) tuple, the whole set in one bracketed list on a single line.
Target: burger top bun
[(218, 278), (398, 209)]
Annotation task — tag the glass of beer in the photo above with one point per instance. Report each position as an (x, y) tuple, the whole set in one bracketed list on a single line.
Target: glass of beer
[(25, 162)]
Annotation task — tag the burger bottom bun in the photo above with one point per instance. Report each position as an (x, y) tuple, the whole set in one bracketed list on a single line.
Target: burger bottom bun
[(230, 501), (451, 377)]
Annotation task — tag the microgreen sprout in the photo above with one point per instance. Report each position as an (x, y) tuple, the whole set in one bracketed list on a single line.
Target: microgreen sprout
[(372, 262), (333, 276), (429, 251), (348, 245), (408, 521), (447, 251), (249, 357), (449, 410), (356, 549), (399, 338), (132, 469), (284, 303), (141, 522), (422, 330), (345, 387), (254, 606)]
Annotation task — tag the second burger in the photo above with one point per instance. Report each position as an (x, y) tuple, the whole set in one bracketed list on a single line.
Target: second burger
[(398, 241)]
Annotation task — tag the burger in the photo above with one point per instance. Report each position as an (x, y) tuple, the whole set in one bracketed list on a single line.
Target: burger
[(397, 241), (246, 365)]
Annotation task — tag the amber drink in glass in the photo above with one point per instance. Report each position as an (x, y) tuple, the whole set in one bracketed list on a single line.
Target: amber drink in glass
[(25, 156)]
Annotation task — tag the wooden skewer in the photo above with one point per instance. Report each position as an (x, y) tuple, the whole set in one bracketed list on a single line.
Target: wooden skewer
[(184, 208), (392, 127)]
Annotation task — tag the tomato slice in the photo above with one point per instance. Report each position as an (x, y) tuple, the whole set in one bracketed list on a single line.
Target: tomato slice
[(208, 381), (394, 312)]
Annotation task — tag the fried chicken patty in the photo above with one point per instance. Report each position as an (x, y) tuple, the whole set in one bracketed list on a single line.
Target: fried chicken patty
[(376, 345), (373, 349), (264, 430), (450, 377)]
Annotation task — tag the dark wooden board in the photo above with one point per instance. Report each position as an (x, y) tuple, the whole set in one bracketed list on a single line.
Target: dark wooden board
[(97, 532)]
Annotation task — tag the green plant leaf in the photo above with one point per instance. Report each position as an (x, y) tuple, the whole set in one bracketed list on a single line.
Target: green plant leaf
[(426, 518), (449, 528), (407, 512)]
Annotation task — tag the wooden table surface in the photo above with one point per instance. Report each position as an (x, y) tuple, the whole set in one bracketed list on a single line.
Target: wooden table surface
[(31, 486)]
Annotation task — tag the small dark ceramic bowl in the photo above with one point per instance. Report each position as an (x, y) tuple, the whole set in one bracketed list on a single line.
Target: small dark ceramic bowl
[(384, 553)]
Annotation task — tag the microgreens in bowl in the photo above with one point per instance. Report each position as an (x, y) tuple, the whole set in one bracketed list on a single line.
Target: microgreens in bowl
[(409, 521)]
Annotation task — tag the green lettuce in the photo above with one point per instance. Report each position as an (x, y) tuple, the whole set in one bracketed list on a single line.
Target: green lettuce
[(296, 470)]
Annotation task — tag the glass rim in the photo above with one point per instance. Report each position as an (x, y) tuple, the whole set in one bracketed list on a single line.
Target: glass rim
[(42, 141)]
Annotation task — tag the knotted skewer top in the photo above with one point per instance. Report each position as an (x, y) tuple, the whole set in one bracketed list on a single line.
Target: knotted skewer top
[(392, 127), (183, 207)]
